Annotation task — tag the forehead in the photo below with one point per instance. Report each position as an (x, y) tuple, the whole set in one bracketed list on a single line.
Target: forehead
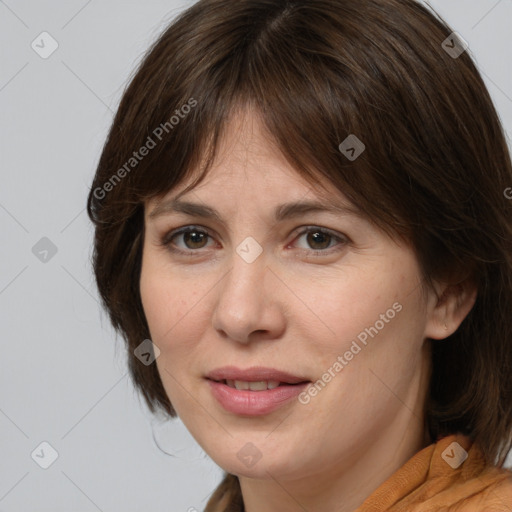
[(247, 152), (248, 158)]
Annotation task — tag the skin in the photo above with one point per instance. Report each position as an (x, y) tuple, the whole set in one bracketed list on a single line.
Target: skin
[(296, 311)]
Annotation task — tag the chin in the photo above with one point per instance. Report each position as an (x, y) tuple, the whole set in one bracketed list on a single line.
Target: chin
[(246, 460)]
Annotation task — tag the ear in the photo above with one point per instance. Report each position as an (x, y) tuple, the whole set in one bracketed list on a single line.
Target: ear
[(450, 305)]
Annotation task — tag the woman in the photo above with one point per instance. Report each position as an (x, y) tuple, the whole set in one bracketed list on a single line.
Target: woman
[(301, 204)]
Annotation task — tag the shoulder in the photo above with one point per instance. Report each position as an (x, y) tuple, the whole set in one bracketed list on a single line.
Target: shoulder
[(470, 485), (450, 475), (491, 491)]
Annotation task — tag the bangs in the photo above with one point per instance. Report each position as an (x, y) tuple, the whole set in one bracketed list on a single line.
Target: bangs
[(309, 101)]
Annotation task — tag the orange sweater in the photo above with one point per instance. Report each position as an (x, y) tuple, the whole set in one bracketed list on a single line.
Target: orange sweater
[(438, 479)]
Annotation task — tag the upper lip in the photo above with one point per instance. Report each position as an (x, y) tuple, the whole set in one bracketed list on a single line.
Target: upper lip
[(254, 374)]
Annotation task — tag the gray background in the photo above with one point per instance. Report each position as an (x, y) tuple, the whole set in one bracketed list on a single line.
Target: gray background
[(63, 377)]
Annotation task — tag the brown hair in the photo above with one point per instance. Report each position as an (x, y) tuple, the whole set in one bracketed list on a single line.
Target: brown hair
[(433, 172)]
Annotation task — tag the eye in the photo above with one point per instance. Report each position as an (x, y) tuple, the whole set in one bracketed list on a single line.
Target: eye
[(319, 240), (192, 237)]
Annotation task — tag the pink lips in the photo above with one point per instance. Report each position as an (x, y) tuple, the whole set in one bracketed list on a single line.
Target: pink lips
[(254, 403)]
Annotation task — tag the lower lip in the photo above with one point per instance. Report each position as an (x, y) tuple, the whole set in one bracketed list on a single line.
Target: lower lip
[(254, 403)]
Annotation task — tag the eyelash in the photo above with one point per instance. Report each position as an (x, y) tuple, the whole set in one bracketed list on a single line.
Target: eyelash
[(169, 237)]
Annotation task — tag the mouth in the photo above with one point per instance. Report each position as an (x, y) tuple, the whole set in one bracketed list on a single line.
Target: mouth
[(258, 385), (255, 391), (256, 375)]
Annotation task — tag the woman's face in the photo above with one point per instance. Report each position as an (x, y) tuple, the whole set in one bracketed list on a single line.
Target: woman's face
[(322, 296)]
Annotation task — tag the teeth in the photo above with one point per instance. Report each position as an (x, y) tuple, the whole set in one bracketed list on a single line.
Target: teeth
[(261, 385), (257, 386)]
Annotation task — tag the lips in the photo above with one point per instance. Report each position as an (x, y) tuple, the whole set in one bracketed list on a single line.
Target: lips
[(255, 391), (254, 374)]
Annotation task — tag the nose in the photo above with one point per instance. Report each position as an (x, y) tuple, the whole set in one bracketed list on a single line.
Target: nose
[(248, 305)]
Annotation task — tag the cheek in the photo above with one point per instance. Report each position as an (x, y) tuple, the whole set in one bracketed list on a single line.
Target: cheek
[(346, 306), (156, 304), (169, 300), (177, 312), (172, 315), (172, 309), (372, 318)]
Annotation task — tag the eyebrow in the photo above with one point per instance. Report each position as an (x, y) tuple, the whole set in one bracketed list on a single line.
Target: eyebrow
[(281, 212)]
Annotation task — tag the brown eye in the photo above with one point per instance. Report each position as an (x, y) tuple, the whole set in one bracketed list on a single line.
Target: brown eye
[(187, 240), (195, 239), (318, 240)]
